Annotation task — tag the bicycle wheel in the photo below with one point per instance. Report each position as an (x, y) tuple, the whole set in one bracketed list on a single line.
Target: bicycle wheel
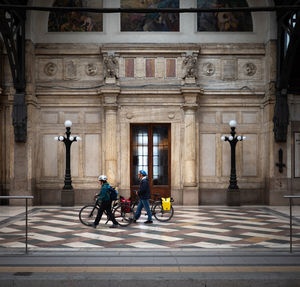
[(87, 214), (122, 217), (160, 214)]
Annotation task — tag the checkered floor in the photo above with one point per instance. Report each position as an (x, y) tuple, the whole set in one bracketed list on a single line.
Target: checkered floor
[(191, 227)]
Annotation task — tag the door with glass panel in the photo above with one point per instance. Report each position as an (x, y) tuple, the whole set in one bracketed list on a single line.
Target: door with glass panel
[(150, 151)]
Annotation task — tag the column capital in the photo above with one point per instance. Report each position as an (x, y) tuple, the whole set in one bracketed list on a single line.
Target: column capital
[(191, 90), (190, 107), (109, 90), (110, 107)]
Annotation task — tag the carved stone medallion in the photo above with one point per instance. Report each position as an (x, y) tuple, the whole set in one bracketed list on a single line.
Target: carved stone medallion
[(50, 69), (208, 69), (91, 69), (249, 69)]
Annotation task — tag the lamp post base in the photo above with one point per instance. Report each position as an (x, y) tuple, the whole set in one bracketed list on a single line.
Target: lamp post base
[(233, 197), (67, 197)]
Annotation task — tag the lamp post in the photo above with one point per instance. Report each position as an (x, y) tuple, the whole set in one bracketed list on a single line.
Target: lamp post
[(233, 192), (67, 193)]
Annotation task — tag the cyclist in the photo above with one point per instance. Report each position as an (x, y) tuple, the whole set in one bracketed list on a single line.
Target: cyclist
[(144, 195), (105, 203)]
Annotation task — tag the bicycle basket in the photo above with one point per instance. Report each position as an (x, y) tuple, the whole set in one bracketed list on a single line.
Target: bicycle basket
[(166, 203)]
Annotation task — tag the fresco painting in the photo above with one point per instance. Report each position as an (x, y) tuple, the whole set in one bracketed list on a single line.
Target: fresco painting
[(224, 21), (168, 22), (76, 21)]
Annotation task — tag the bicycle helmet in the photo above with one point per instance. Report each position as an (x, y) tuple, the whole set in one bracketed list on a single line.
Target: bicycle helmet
[(143, 172), (102, 177)]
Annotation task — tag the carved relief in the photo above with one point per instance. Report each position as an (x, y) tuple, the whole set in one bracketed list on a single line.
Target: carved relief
[(111, 67), (50, 69), (70, 70), (190, 67), (171, 116), (129, 116), (91, 69), (229, 70), (249, 69), (208, 69)]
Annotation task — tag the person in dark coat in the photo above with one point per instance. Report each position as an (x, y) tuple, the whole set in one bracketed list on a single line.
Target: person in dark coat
[(105, 203), (144, 195)]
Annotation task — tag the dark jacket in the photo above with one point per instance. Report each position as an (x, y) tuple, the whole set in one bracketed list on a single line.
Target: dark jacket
[(104, 194), (144, 190)]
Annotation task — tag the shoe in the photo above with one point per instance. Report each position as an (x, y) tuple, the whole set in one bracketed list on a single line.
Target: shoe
[(114, 226), (148, 222), (132, 219), (92, 225)]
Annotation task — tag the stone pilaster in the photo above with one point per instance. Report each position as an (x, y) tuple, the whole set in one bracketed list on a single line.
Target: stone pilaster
[(23, 156), (190, 187), (110, 96)]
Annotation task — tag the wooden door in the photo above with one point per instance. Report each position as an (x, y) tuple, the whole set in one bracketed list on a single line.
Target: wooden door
[(150, 151)]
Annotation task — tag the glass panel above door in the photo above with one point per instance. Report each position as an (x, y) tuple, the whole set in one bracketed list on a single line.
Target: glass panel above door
[(139, 151), (160, 155)]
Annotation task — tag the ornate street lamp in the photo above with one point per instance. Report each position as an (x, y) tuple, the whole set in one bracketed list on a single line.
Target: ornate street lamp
[(233, 194), (67, 193)]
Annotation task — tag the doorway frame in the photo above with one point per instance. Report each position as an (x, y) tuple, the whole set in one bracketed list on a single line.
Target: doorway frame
[(163, 190)]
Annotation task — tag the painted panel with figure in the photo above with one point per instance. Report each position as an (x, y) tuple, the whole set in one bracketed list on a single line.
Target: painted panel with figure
[(224, 21), (168, 22), (74, 21)]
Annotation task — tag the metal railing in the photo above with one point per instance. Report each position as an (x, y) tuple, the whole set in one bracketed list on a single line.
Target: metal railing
[(26, 197), (290, 197)]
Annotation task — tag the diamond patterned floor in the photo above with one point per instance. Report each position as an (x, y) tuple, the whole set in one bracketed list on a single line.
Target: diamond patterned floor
[(191, 227)]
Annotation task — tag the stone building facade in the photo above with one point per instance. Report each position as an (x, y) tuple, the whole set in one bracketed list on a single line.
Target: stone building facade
[(184, 87)]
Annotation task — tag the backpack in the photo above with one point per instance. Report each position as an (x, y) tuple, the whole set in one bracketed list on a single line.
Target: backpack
[(113, 193)]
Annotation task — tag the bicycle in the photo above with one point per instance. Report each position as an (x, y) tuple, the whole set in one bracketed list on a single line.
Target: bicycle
[(120, 210), (156, 208)]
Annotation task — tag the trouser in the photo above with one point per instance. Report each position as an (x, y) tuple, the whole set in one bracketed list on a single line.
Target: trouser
[(143, 203), (105, 205)]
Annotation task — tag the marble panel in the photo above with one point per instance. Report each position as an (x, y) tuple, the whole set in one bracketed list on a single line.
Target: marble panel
[(121, 67), (75, 158), (92, 118), (92, 154), (207, 154), (249, 117), (160, 68), (49, 156), (140, 67), (208, 118), (129, 68), (226, 163), (175, 156), (227, 117), (150, 68), (73, 117), (170, 68), (249, 161), (49, 118)]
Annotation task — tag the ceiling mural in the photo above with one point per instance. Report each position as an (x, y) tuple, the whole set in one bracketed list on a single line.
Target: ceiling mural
[(224, 21), (76, 21), (168, 22)]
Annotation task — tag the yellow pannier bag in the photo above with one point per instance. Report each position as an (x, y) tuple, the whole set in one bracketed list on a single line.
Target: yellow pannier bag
[(166, 203)]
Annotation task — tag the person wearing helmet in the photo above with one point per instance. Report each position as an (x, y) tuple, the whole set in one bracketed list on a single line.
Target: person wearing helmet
[(105, 203), (144, 195)]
